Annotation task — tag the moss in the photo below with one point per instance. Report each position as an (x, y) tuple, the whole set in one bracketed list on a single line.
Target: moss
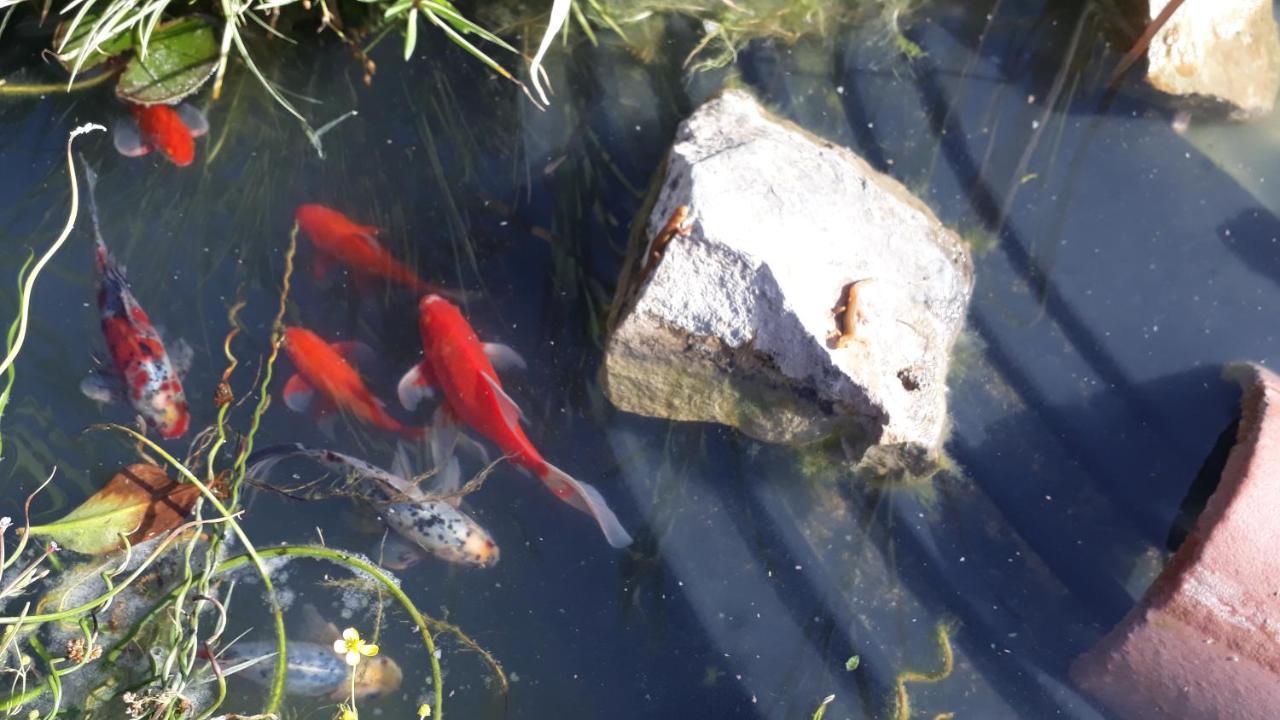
[(979, 239)]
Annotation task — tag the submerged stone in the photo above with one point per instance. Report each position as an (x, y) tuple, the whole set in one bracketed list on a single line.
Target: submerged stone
[(1224, 50), (802, 294)]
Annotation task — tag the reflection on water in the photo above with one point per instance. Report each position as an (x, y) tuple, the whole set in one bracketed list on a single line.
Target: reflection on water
[(1123, 268)]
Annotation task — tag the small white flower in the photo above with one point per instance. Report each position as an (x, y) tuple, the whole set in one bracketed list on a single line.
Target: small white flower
[(352, 647)]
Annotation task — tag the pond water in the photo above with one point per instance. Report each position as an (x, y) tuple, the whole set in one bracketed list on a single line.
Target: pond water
[(1119, 265)]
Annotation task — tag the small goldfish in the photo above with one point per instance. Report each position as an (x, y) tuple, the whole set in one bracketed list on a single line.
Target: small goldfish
[(141, 370), (166, 128), (338, 239), (462, 368), (421, 524), (324, 370), (312, 668)]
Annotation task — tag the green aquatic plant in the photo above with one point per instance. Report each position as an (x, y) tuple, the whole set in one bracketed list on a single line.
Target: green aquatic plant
[(162, 53), (727, 27), (75, 649), (946, 664), (822, 707), (18, 329)]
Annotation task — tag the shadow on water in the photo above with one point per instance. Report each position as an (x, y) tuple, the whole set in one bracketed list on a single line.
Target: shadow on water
[(758, 572), (1253, 236)]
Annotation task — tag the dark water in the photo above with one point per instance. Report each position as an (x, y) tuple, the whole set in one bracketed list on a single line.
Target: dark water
[(1119, 268)]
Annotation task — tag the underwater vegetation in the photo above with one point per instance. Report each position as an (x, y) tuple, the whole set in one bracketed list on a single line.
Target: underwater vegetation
[(137, 629), (159, 54), (501, 152)]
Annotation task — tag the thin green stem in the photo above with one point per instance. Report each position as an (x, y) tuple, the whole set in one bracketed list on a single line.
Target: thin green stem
[(38, 89), (344, 558), (277, 681), (97, 602), (24, 312)]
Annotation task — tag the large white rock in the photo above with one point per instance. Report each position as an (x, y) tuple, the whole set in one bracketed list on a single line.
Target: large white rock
[(1227, 50), (734, 324)]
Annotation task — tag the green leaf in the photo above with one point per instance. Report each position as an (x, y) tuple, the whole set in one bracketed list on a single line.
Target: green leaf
[(72, 36), (411, 34), (181, 56), (139, 502), (822, 709), (852, 663)]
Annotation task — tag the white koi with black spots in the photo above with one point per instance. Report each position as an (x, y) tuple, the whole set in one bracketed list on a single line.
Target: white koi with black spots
[(421, 524)]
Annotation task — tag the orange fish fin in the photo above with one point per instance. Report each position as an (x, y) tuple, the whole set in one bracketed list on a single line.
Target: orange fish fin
[(416, 385), (299, 394), (589, 500), (320, 266), (327, 422), (354, 352), (370, 230), (197, 124), (127, 138), (503, 357), (315, 628), (510, 411)]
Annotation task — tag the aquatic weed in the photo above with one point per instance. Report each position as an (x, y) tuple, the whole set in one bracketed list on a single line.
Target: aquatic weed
[(170, 593)]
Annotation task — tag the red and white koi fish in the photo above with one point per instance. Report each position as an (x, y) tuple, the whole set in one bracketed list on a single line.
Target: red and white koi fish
[(141, 369), (169, 129), (338, 239), (326, 381), (462, 368)]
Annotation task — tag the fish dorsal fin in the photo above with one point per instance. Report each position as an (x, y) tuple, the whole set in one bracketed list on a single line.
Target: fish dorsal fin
[(503, 357), (444, 440), (298, 394), (415, 386), (195, 120), (368, 235), (315, 628), (401, 465), (354, 352), (448, 480), (510, 411)]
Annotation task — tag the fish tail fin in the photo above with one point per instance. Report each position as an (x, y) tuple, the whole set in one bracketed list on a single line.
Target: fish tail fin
[(261, 462), (589, 500), (91, 184)]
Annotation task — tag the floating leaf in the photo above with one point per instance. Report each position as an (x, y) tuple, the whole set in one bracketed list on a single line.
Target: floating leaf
[(139, 502), (74, 45), (181, 56), (852, 663)]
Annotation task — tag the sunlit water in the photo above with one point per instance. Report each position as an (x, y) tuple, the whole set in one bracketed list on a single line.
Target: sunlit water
[(1117, 269)]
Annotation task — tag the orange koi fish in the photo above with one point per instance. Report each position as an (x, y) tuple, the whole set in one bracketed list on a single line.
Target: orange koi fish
[(326, 381), (462, 368), (166, 128), (141, 370), (338, 239)]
